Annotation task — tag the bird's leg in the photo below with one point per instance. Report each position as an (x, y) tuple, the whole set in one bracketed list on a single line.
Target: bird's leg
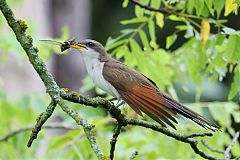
[(112, 99), (119, 103)]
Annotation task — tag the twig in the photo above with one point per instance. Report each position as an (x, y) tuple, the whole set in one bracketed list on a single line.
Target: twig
[(133, 155), (27, 128), (97, 101), (184, 138), (158, 128), (87, 128), (114, 141), (212, 148), (164, 11), (40, 121), (227, 151)]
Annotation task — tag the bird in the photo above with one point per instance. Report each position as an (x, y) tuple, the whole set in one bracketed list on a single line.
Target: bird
[(132, 87)]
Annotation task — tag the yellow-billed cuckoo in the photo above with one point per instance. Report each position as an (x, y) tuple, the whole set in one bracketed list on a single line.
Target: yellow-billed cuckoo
[(127, 84)]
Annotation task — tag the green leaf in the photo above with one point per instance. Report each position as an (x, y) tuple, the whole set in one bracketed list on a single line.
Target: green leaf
[(138, 54), (209, 5), (144, 39), (190, 6), (218, 6), (139, 12), (235, 86), (176, 18), (125, 3), (181, 27), (121, 51), (170, 40), (134, 20), (116, 44), (155, 3), (160, 19), (233, 49), (151, 27)]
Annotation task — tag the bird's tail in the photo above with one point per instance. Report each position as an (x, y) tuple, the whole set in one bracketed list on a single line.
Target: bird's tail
[(195, 117)]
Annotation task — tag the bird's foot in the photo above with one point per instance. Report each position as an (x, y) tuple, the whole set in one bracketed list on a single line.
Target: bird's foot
[(65, 89), (119, 103)]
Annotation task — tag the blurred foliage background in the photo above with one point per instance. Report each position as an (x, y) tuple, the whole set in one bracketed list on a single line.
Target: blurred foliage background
[(193, 56)]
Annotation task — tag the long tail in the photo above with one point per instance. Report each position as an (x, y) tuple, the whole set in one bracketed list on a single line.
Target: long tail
[(195, 117), (162, 108)]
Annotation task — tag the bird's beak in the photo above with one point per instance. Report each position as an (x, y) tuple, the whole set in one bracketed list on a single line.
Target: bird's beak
[(78, 46)]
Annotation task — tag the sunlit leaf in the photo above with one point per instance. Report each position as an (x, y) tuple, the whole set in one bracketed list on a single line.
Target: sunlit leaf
[(233, 49), (218, 6), (205, 30), (235, 87), (155, 3), (135, 20), (151, 27), (170, 40), (144, 39), (125, 3), (160, 19), (230, 6)]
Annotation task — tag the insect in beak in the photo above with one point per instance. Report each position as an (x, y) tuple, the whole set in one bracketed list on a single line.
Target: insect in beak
[(65, 45)]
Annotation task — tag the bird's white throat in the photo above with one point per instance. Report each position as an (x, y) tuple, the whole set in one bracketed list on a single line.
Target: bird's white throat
[(95, 71)]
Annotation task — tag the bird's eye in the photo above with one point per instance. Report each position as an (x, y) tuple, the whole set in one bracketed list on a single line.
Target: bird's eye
[(90, 44)]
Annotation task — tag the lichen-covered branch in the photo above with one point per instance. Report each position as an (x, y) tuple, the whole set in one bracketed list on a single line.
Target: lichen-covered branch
[(19, 28), (87, 128), (40, 121), (227, 151), (97, 101), (27, 128), (212, 148)]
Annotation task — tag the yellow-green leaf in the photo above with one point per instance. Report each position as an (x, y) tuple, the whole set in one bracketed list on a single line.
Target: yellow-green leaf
[(205, 30), (125, 3), (160, 19), (230, 5), (170, 40)]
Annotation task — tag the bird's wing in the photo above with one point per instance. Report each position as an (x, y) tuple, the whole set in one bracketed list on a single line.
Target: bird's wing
[(143, 95), (140, 93)]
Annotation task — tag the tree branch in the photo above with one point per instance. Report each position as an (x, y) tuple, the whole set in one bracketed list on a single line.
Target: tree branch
[(40, 121), (164, 11), (19, 28), (27, 128), (114, 141), (133, 155), (227, 151), (212, 148)]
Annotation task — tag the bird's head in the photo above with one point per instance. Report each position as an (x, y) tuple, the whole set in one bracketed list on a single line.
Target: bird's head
[(90, 49)]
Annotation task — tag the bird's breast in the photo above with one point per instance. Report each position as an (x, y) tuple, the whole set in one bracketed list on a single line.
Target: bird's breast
[(95, 71)]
